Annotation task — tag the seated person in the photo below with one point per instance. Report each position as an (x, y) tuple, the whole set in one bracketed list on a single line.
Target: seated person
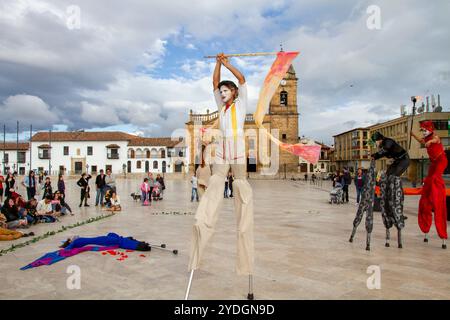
[(111, 239), (59, 204), (108, 198), (12, 215), (114, 204), (23, 212), (30, 206), (44, 210)]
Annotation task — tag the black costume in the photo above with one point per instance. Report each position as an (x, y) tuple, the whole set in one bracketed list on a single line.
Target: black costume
[(84, 184), (389, 148)]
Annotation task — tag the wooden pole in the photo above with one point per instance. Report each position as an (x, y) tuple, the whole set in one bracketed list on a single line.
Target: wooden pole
[(255, 54)]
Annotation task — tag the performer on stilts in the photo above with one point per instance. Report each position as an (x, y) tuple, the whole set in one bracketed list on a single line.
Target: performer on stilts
[(392, 196), (231, 101), (433, 196)]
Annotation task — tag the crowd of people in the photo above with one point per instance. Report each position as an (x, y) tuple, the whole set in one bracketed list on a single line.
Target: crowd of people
[(44, 204)]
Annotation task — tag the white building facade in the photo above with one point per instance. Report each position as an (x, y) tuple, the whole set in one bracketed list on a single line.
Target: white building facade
[(14, 157), (73, 153)]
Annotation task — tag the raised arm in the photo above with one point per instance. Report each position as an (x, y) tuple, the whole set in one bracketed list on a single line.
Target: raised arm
[(420, 140), (233, 70), (216, 74)]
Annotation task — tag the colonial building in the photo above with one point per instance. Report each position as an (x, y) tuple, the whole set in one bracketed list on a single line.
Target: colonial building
[(14, 157), (79, 151), (282, 115), (351, 149)]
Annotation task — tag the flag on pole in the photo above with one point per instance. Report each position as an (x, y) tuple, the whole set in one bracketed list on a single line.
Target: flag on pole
[(310, 153)]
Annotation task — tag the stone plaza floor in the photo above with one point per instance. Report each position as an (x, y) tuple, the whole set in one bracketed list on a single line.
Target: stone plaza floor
[(301, 244)]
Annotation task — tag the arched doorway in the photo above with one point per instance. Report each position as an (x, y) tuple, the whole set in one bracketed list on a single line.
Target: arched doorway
[(147, 166), (163, 166), (179, 166), (128, 166)]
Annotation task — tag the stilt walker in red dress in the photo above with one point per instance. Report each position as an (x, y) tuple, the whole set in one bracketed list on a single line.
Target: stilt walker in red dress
[(433, 198)]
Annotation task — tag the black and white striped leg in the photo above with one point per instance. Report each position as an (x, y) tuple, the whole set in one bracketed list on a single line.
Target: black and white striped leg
[(399, 235), (368, 241), (352, 235), (388, 237)]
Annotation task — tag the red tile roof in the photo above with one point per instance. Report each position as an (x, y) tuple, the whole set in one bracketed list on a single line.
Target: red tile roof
[(143, 142), (23, 146), (83, 136), (133, 140)]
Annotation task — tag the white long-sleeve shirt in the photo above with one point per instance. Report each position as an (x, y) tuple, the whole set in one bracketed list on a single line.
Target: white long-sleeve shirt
[(231, 146)]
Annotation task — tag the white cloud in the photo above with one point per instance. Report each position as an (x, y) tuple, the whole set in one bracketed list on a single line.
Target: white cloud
[(28, 110)]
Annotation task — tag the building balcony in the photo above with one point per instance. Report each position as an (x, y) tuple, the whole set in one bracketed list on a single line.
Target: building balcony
[(44, 157), (113, 156)]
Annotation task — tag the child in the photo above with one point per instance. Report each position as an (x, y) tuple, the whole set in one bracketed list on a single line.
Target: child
[(145, 189), (156, 192)]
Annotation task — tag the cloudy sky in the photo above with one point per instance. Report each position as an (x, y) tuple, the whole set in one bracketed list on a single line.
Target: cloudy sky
[(137, 65)]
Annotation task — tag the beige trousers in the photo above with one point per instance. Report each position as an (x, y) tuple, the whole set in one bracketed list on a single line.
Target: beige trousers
[(207, 214)]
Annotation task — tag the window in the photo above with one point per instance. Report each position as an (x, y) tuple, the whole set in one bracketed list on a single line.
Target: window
[(131, 154), (180, 153), (163, 153), (94, 169), (283, 98), (44, 154), (440, 124), (22, 171), (90, 151), (283, 136), (155, 164), (138, 165), (6, 160), (66, 150), (21, 157), (113, 153)]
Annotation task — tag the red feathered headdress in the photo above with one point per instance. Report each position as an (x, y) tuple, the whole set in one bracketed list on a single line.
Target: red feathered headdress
[(427, 125)]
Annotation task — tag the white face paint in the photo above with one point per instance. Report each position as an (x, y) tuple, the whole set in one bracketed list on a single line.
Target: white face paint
[(425, 132), (225, 94)]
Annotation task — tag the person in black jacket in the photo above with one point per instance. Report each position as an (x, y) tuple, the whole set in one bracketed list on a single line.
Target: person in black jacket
[(389, 148), (347, 181), (100, 184), (12, 215), (48, 190), (83, 183), (391, 188), (9, 185)]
